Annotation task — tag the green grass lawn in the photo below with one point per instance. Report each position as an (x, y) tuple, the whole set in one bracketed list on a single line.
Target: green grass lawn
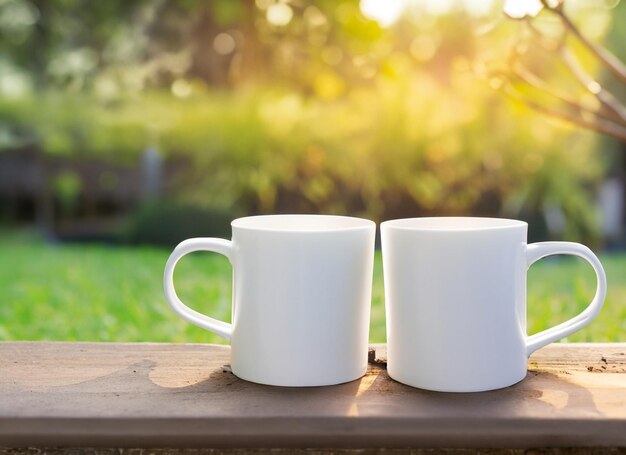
[(105, 293)]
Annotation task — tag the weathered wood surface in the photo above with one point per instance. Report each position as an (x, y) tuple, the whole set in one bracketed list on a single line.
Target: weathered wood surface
[(297, 451), (182, 395)]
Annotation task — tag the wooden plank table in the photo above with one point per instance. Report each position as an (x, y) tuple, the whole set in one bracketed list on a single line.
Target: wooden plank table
[(184, 395)]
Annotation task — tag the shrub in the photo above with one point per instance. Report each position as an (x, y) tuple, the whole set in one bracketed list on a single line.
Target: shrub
[(168, 224)]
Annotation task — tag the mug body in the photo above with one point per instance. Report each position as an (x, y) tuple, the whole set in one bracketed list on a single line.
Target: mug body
[(455, 293), (301, 298)]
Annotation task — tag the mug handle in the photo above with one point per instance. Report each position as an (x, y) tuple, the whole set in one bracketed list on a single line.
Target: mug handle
[(537, 251), (220, 246)]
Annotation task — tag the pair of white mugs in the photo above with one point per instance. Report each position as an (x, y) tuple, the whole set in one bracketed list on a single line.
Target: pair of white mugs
[(455, 293)]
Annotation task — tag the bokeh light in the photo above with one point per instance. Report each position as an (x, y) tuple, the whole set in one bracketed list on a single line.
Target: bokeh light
[(279, 14), (518, 9), (224, 43)]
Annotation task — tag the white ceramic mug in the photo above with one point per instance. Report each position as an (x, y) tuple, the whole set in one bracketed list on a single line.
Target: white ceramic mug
[(301, 297), (455, 293)]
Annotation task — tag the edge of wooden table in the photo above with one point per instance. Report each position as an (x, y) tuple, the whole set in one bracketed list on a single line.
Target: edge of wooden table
[(592, 372)]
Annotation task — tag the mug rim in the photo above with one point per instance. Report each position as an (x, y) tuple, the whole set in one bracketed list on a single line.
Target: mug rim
[(452, 224), (311, 223)]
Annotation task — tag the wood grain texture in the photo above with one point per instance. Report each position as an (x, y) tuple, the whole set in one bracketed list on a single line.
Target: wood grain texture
[(180, 395), (297, 451)]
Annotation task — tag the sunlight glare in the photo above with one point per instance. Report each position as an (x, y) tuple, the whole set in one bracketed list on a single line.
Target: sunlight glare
[(386, 13), (518, 9)]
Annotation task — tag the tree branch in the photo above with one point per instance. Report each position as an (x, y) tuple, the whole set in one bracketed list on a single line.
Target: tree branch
[(598, 125), (606, 57), (532, 80), (548, 44), (610, 103), (611, 107)]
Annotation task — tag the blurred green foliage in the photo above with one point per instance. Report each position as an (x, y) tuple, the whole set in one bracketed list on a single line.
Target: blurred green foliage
[(300, 107), (371, 153), (168, 224)]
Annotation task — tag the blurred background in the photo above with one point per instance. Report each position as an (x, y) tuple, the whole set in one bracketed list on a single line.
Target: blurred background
[(126, 127)]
